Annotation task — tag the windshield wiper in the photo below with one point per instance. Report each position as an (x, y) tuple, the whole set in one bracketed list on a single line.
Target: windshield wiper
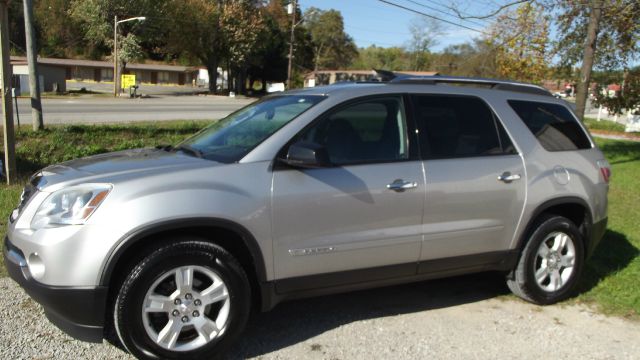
[(188, 149)]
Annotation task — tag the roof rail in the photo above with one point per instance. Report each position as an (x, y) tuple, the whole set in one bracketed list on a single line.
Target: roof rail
[(491, 83)]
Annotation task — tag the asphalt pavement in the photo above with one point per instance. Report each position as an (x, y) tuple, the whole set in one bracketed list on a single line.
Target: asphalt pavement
[(91, 109)]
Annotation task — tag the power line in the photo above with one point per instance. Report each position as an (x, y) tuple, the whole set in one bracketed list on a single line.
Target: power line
[(432, 17), (450, 8), (444, 12)]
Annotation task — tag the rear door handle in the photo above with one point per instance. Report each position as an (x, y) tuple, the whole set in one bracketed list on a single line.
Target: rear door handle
[(508, 177), (400, 185)]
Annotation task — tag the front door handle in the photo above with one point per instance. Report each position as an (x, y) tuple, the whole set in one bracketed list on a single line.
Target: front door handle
[(508, 177), (400, 185)]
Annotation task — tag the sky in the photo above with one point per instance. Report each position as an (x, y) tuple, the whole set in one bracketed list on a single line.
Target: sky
[(372, 22)]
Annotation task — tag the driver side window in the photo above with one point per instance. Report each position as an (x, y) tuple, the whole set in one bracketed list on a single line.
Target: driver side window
[(365, 132)]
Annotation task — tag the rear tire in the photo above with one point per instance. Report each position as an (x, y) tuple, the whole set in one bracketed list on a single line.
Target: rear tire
[(189, 299), (551, 262)]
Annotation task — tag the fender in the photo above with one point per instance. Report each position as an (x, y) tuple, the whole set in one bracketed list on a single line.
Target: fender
[(137, 234), (554, 202)]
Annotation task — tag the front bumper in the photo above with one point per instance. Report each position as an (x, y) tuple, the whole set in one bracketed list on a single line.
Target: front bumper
[(78, 311)]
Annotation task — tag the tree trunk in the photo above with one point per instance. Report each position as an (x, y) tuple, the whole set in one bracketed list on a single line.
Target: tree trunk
[(238, 81), (122, 66), (232, 80), (316, 60), (582, 91), (243, 80), (212, 69), (251, 79)]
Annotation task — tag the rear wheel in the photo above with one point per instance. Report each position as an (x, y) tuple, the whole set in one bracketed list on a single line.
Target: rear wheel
[(188, 299), (551, 262)]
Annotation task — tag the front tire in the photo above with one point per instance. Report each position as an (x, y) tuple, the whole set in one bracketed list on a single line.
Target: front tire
[(188, 299), (551, 262)]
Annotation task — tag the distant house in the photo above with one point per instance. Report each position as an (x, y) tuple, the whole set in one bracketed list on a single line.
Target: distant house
[(52, 78), (327, 77), (202, 77), (59, 70)]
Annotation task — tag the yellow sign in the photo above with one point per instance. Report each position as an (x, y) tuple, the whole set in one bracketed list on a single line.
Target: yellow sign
[(127, 81)]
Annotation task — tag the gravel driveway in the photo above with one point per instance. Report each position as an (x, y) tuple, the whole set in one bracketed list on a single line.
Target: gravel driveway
[(461, 318)]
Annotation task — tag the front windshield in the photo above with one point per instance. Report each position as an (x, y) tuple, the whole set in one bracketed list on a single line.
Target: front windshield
[(231, 138)]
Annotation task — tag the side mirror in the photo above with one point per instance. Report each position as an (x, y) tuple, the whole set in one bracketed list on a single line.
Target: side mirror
[(307, 155)]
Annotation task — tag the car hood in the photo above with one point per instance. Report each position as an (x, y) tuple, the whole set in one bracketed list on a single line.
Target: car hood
[(115, 166)]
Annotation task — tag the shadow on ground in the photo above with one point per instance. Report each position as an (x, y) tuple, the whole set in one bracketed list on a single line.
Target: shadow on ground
[(296, 321), (614, 253), (624, 151)]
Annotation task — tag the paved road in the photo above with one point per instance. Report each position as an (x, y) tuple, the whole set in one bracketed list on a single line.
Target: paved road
[(104, 109), (459, 318)]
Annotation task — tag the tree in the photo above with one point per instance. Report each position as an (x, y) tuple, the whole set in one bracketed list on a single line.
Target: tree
[(241, 25), (195, 28), (424, 33), (627, 99), (599, 34), (129, 50), (95, 17), (521, 38), (475, 59), (373, 57), (594, 33), (332, 47), (269, 61), (59, 35)]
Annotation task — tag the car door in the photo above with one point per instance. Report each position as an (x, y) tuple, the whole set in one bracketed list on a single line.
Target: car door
[(475, 181), (359, 218)]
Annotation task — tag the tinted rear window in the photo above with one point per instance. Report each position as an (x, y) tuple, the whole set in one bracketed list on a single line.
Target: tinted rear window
[(553, 125)]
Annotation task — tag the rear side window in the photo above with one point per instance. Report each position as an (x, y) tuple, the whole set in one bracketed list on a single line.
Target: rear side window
[(553, 125), (457, 127)]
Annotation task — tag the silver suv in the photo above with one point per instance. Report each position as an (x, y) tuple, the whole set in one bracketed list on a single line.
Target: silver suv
[(311, 192)]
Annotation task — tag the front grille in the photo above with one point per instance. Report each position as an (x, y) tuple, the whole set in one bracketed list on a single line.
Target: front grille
[(27, 193)]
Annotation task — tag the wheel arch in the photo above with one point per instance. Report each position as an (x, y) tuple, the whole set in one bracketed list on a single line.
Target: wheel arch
[(233, 237), (573, 208)]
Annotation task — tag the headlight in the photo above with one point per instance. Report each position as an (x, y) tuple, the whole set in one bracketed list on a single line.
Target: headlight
[(70, 206)]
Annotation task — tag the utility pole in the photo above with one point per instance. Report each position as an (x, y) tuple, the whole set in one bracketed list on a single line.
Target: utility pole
[(293, 37), (116, 78), (115, 56), (5, 79), (32, 60)]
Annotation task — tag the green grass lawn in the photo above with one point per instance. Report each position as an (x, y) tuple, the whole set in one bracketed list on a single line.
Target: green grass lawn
[(604, 125), (611, 276)]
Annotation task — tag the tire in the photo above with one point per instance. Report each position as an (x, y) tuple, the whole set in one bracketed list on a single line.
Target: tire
[(188, 299), (557, 275)]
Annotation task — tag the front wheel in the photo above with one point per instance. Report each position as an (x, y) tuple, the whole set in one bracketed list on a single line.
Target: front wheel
[(188, 299), (551, 262)]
